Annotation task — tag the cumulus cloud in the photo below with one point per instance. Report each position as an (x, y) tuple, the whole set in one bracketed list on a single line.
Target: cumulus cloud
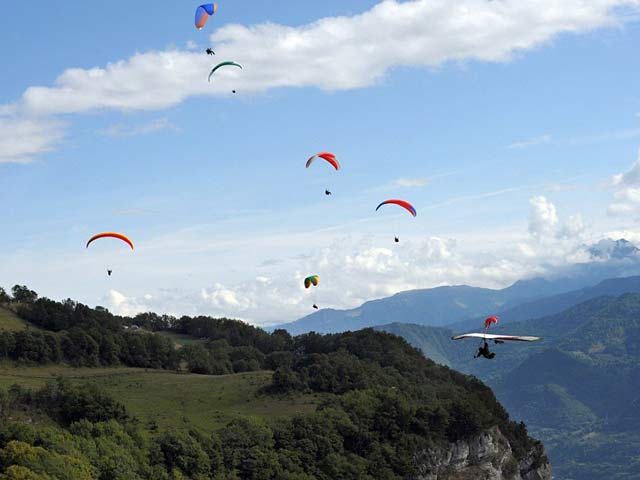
[(545, 224), (353, 271), (22, 139), (333, 53), (543, 218), (627, 192)]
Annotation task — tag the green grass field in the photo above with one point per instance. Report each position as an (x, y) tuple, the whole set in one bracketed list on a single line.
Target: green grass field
[(9, 321), (171, 399)]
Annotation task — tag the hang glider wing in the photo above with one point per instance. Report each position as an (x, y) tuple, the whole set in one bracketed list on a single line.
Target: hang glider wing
[(489, 336)]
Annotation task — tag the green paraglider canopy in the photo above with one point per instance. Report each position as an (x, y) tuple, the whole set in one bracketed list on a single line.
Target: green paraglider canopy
[(223, 64)]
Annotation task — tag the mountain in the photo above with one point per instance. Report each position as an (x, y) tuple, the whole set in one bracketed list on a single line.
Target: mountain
[(550, 305), (440, 306), (434, 306), (578, 390)]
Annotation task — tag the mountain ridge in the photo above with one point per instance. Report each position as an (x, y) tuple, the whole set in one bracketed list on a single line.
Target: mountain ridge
[(450, 305)]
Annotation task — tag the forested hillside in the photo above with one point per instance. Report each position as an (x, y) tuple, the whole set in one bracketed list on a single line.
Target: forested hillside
[(578, 389), (380, 403)]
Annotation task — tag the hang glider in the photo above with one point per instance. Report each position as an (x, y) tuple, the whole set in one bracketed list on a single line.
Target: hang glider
[(490, 336)]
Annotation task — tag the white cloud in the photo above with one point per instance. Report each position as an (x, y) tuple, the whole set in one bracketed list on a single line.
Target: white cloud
[(22, 139), (333, 53), (543, 218), (627, 194), (355, 270), (191, 45), (121, 130), (411, 182), (532, 142), (572, 228), (632, 236), (545, 225)]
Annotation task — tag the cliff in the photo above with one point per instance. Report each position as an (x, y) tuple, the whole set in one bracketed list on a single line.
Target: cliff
[(486, 457)]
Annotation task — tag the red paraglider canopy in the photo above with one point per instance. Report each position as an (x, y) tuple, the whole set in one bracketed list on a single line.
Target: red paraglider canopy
[(489, 321), (119, 236), (406, 205), (328, 156)]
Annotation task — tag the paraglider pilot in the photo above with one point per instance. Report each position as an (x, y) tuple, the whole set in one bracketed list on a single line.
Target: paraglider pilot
[(327, 192), (484, 352), (109, 272), (315, 306), (210, 51)]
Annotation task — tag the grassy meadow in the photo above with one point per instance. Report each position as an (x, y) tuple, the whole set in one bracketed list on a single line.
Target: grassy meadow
[(169, 399)]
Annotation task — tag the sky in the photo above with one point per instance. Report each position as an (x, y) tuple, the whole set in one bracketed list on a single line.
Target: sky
[(513, 127)]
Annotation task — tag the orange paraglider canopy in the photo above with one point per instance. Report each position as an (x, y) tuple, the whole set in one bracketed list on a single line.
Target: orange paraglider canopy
[(119, 236)]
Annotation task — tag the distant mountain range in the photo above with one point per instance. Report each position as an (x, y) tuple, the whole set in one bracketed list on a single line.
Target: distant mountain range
[(455, 304), (578, 390)]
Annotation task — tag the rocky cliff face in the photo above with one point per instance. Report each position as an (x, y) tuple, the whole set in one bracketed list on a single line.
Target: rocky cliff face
[(485, 457)]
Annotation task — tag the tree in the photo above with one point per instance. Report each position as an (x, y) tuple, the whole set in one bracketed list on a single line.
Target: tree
[(4, 296), (22, 294)]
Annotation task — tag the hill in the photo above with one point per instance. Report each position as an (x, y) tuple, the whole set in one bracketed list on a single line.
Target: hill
[(172, 400), (246, 404), (577, 390), (10, 322)]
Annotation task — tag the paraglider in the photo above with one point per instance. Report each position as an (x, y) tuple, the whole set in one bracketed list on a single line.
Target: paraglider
[(489, 321), (115, 235), (223, 64), (401, 203), (203, 12), (406, 205), (328, 156), (210, 51), (312, 280)]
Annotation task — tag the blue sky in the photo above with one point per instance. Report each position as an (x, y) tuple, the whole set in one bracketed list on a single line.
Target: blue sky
[(513, 126)]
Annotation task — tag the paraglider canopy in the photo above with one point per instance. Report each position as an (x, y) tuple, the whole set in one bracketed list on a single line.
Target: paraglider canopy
[(203, 12), (402, 203), (118, 236), (312, 280), (489, 321), (223, 64), (328, 156)]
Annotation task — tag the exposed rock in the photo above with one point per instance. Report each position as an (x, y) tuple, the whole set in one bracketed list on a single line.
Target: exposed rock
[(485, 457)]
